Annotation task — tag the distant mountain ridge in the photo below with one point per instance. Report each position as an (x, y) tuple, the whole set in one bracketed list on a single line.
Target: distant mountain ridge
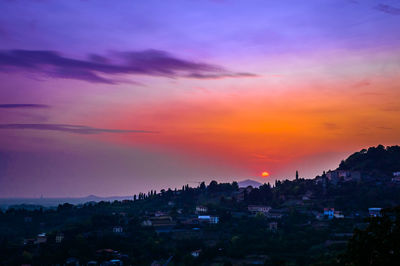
[(249, 182), (53, 202)]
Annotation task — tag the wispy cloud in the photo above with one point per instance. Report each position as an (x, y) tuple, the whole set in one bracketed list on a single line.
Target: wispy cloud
[(221, 75), (25, 105), (77, 129), (103, 69), (388, 9)]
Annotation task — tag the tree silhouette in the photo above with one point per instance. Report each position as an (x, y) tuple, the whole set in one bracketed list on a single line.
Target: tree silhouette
[(378, 244)]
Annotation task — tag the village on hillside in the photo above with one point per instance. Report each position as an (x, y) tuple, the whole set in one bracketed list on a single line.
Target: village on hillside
[(299, 221)]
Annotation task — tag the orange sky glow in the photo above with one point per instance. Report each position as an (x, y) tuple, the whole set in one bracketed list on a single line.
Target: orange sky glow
[(169, 99)]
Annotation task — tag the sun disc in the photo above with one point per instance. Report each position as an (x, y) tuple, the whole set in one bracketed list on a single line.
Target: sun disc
[(264, 174)]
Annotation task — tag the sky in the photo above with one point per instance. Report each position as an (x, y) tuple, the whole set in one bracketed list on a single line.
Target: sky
[(118, 97)]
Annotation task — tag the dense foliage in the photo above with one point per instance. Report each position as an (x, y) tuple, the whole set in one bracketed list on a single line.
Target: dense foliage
[(302, 236), (375, 161), (378, 244)]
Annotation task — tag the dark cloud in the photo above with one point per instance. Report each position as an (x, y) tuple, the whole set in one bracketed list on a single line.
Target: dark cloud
[(219, 76), (25, 105), (388, 9), (77, 129), (101, 69)]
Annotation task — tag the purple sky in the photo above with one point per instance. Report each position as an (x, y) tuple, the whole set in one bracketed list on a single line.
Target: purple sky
[(118, 97)]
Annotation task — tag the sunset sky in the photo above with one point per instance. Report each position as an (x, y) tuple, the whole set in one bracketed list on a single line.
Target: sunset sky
[(118, 97)]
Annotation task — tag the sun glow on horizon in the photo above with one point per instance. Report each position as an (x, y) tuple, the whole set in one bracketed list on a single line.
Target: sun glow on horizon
[(265, 174)]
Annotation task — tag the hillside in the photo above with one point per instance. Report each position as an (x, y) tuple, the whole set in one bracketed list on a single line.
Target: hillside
[(378, 160), (293, 222)]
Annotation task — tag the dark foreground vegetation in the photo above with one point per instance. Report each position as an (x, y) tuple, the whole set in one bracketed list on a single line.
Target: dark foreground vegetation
[(321, 221)]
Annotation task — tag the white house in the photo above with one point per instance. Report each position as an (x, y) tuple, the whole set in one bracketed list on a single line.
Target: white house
[(201, 209), (59, 237), (196, 253), (258, 208), (147, 223), (338, 215), (396, 174)]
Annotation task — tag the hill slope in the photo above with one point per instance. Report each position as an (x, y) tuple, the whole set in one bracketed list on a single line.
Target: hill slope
[(375, 160)]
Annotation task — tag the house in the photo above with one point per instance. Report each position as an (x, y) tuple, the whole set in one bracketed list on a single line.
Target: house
[(29, 241), (41, 238), (171, 203), (201, 209), (343, 175), (196, 253), (147, 223), (375, 212), (338, 215), (214, 219), (396, 174), (258, 208), (318, 216), (273, 226), (208, 219), (305, 197), (276, 213), (329, 212), (163, 224), (160, 213), (396, 179), (161, 221), (117, 229), (59, 237)]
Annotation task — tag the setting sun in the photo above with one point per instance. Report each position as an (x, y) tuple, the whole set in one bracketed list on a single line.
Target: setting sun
[(264, 174)]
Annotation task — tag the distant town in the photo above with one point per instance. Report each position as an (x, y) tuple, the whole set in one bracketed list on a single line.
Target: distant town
[(301, 221)]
